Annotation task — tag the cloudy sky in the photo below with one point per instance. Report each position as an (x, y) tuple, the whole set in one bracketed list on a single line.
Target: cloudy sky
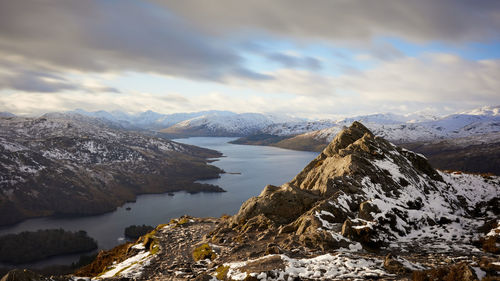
[(318, 58)]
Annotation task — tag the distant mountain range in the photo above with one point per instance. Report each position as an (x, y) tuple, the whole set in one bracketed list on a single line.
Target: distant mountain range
[(215, 121), (479, 121), (397, 128)]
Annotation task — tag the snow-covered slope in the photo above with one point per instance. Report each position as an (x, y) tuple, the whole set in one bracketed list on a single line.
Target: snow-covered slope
[(148, 119), (364, 189), (6, 114), (75, 164), (477, 122), (234, 124), (298, 127), (397, 128)]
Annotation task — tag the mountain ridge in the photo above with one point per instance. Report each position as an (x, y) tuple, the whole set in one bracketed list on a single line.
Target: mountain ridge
[(395, 127), (363, 209), (55, 165)]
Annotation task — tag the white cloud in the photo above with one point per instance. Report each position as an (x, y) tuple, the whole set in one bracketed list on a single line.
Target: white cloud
[(433, 82), (352, 20), (290, 81), (441, 78)]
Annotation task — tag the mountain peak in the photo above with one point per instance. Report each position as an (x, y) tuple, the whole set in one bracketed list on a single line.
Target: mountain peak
[(363, 191), (346, 137), (355, 152)]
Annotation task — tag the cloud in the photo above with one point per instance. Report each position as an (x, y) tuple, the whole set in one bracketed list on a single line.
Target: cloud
[(295, 61), (23, 76), (290, 81), (381, 51), (433, 78), (39, 103), (420, 21), (403, 85), (107, 36)]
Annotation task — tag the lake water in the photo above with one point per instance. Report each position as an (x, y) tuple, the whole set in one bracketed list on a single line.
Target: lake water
[(258, 165)]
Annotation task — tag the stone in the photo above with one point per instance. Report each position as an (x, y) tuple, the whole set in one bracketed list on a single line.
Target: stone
[(392, 265), (366, 209)]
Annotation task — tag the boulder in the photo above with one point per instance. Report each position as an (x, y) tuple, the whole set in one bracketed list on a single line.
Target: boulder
[(460, 271), (392, 265), (281, 205)]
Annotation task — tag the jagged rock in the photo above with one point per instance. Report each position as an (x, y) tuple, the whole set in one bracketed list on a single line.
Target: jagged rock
[(366, 210), (365, 189), (489, 264), (281, 205), (392, 265), (461, 271), (265, 264), (273, 249)]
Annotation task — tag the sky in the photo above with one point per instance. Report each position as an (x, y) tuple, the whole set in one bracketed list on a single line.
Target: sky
[(312, 59)]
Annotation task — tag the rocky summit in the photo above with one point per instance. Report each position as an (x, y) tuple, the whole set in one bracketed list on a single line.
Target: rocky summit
[(363, 209)]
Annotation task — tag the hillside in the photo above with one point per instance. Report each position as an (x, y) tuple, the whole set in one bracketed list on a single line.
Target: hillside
[(363, 209), (224, 125), (148, 120), (474, 154), (62, 164), (465, 141)]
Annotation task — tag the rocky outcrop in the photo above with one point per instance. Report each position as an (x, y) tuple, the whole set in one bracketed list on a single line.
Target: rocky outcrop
[(363, 191)]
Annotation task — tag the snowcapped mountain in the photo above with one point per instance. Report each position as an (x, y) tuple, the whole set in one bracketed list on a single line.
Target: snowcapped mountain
[(227, 124), (485, 110), (297, 127), (146, 120), (392, 127), (397, 128), (6, 114), (72, 164)]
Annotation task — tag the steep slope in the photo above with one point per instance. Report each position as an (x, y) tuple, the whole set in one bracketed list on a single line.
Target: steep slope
[(363, 209), (55, 165), (474, 154), (370, 191)]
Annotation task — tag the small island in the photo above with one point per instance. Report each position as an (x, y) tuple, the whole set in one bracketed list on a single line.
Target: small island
[(30, 246), (136, 231)]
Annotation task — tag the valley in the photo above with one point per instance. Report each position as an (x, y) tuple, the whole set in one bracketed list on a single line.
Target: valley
[(362, 209)]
